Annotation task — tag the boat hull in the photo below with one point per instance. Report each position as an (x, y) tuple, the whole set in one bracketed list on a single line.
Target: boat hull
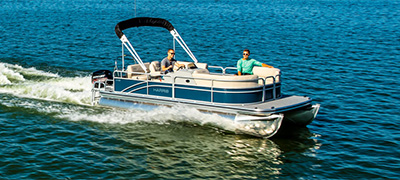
[(262, 125), (302, 116), (248, 119)]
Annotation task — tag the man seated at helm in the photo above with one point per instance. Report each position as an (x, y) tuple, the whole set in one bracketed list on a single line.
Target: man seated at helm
[(168, 63)]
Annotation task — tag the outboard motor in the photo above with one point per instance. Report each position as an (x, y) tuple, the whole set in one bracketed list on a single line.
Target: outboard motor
[(103, 76)]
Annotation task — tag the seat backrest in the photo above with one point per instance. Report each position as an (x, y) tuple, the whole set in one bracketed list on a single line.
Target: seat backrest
[(246, 81), (135, 68), (202, 65), (264, 72), (155, 66)]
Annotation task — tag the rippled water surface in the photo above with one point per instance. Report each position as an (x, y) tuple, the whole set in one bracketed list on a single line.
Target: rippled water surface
[(343, 53)]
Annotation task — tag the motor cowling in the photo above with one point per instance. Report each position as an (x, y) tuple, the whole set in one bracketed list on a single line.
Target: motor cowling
[(102, 76)]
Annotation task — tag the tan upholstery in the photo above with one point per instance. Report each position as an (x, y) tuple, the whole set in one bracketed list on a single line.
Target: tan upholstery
[(155, 69), (137, 69), (155, 66), (201, 71), (252, 80), (263, 72), (202, 65)]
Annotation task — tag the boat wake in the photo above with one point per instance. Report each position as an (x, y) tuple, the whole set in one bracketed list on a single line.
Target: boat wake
[(70, 97), (37, 84), (160, 115)]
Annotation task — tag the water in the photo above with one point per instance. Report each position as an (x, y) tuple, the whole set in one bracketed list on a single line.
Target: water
[(343, 54)]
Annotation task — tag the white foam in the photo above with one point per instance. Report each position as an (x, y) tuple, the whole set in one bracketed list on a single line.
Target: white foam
[(7, 74), (4, 79), (77, 90), (71, 90), (63, 89), (27, 71), (34, 71), (161, 115), (118, 116)]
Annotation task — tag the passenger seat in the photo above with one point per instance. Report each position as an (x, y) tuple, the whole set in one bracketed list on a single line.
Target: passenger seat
[(155, 68)]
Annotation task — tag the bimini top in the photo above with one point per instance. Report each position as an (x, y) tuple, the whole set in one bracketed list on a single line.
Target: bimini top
[(147, 21), (142, 21)]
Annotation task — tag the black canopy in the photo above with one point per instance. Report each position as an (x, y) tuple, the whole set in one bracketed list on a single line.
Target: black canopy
[(142, 21)]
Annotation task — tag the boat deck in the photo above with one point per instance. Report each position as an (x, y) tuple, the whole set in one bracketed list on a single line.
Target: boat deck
[(273, 106), (280, 103)]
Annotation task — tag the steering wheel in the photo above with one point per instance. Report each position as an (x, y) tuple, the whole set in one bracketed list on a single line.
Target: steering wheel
[(179, 68)]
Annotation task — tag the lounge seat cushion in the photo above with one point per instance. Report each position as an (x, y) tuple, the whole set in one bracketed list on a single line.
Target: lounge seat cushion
[(263, 72), (202, 65), (155, 66), (136, 69), (226, 81)]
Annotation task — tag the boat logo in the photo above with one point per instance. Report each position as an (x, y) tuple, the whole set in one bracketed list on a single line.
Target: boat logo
[(161, 90)]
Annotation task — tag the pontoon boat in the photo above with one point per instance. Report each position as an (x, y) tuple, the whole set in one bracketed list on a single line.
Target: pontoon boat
[(253, 102)]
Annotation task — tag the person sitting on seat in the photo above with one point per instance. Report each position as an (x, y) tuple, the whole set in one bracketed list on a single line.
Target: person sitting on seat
[(245, 65), (168, 63)]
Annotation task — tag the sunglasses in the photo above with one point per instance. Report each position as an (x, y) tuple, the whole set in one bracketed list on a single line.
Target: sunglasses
[(246, 54), (172, 53)]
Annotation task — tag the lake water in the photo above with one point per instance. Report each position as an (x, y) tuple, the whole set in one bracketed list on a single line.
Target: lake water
[(343, 53)]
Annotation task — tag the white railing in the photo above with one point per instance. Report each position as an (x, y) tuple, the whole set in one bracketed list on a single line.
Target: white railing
[(119, 74)]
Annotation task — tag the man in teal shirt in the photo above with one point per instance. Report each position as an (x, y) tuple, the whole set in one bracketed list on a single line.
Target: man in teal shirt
[(245, 65)]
